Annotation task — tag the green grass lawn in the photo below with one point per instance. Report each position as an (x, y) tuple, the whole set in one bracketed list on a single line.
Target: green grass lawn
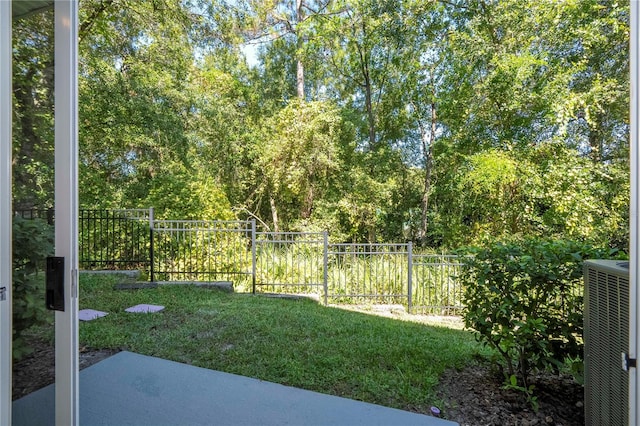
[(294, 342)]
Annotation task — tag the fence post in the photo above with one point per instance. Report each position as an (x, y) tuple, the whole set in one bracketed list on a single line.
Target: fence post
[(253, 255), (410, 274), (50, 215), (325, 267), (151, 260)]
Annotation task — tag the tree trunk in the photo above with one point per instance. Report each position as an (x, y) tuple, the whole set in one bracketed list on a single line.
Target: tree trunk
[(371, 238), (369, 107), (300, 79), (364, 65), (299, 64), (274, 214), (307, 206), (427, 151)]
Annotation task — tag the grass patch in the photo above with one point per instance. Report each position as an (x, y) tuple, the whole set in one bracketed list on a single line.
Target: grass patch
[(293, 342)]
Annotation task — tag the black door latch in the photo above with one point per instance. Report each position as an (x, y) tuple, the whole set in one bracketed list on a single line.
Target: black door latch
[(55, 284)]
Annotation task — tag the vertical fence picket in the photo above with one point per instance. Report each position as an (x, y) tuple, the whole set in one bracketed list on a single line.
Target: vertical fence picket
[(325, 266), (152, 277), (409, 276), (253, 255)]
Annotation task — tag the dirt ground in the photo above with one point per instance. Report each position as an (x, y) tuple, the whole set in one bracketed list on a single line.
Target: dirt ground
[(474, 397), (37, 370)]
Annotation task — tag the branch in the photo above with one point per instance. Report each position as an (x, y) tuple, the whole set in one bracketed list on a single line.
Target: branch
[(246, 210), (454, 4), (91, 19), (317, 11)]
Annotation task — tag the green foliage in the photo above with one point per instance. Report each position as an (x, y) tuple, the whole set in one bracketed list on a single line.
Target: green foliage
[(524, 299), (300, 157), (570, 196), (379, 278), (493, 184), (549, 190), (135, 105), (176, 194), (197, 255), (32, 243), (436, 122), (298, 267)]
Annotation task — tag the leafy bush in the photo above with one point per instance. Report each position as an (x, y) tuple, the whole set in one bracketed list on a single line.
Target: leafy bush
[(525, 300), (32, 243)]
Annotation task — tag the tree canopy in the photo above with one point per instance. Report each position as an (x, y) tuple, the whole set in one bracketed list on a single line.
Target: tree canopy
[(444, 122)]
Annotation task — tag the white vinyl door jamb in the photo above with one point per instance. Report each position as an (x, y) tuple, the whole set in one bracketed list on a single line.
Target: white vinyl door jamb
[(66, 208), (634, 218), (6, 329)]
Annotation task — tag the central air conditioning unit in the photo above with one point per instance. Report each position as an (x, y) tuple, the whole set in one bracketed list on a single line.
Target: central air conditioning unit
[(606, 342)]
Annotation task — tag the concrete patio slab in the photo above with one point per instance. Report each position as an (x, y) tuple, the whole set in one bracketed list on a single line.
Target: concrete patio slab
[(133, 389), (90, 314)]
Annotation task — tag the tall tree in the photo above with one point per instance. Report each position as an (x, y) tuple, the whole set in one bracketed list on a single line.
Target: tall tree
[(285, 18), (456, 105), (412, 100), (350, 38)]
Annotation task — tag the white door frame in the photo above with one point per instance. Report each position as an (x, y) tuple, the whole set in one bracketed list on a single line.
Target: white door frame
[(6, 268), (634, 213), (66, 208)]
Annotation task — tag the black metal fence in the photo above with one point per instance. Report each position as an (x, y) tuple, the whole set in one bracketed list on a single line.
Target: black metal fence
[(109, 239), (283, 262), (436, 288), (115, 239), (370, 273), (45, 214)]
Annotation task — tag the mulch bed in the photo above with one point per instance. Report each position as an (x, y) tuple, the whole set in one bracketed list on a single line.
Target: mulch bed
[(474, 397), (37, 369)]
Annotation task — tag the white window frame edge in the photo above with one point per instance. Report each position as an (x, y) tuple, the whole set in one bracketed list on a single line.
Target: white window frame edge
[(6, 99), (634, 207), (66, 208)]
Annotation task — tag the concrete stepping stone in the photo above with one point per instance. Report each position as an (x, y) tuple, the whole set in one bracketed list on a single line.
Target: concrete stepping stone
[(90, 314), (144, 308)]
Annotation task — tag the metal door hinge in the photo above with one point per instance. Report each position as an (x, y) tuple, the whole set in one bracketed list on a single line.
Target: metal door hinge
[(627, 362), (3, 294)]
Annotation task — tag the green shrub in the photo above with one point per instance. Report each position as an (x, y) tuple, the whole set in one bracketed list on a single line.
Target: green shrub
[(525, 300), (32, 243)]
